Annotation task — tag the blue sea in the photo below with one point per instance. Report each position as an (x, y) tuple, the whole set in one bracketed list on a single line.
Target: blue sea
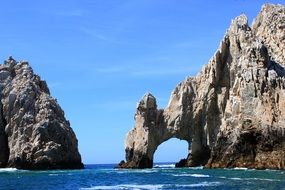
[(163, 176)]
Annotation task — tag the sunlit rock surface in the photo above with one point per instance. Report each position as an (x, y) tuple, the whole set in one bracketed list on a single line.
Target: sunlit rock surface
[(34, 133), (232, 113)]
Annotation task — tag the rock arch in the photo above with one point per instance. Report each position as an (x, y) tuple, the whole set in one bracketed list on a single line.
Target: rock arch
[(198, 105), (234, 107), (154, 126)]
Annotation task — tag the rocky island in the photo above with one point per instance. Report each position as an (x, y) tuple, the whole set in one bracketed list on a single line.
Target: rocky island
[(232, 114), (34, 133)]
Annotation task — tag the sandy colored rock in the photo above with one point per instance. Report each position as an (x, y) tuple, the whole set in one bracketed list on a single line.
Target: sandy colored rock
[(232, 114), (34, 133)]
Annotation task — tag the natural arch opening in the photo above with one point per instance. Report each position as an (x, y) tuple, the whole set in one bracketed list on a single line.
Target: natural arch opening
[(170, 152)]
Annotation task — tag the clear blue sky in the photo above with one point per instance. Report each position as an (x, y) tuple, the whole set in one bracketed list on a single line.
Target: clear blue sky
[(100, 56)]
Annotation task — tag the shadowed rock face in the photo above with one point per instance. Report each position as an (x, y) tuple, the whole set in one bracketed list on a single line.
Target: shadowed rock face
[(232, 113), (33, 131)]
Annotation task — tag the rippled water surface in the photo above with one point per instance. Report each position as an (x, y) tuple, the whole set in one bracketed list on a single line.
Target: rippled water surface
[(163, 176)]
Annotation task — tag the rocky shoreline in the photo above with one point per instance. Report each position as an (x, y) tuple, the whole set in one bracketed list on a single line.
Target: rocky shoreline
[(232, 114)]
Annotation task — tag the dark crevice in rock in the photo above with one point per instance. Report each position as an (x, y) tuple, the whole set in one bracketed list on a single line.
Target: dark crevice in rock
[(278, 68), (200, 158), (4, 147)]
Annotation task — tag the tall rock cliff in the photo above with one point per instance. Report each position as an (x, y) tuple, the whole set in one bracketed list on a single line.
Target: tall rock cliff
[(232, 114), (33, 131)]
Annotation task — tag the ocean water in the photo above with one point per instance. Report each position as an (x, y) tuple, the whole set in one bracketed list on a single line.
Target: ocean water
[(163, 176)]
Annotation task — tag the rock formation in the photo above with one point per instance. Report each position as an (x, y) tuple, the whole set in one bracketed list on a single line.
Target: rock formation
[(33, 131), (232, 114)]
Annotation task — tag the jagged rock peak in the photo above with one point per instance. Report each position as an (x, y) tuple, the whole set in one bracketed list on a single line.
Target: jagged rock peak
[(34, 133), (148, 101), (239, 22), (269, 26), (232, 114)]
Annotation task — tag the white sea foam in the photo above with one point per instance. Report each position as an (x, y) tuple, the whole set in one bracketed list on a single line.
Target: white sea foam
[(199, 175), (127, 186), (152, 187), (146, 171), (196, 168), (259, 179), (8, 170), (202, 184), (164, 166), (136, 171), (53, 174), (237, 168), (236, 178), (191, 175)]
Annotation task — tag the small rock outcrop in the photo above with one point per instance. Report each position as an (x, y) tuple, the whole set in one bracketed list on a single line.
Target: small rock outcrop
[(232, 114), (34, 133)]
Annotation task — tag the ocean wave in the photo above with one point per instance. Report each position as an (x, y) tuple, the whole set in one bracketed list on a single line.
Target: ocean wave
[(197, 168), (191, 175), (202, 184), (8, 170), (126, 186), (259, 179), (164, 166), (136, 171), (236, 178), (238, 168), (53, 174), (153, 187)]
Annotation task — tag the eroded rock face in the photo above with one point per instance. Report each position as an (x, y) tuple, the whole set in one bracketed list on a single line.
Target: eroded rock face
[(34, 133), (232, 113), (252, 133)]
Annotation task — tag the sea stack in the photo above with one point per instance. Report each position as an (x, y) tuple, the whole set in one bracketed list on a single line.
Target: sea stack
[(232, 114), (34, 133)]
